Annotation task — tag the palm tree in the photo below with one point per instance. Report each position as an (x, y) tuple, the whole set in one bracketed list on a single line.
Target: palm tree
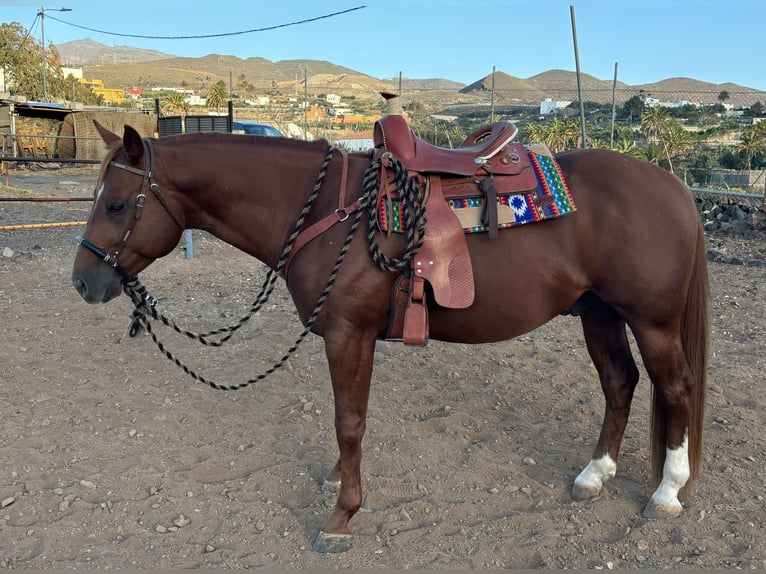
[(654, 154), (675, 141), (173, 102), (654, 122), (627, 145), (534, 133), (216, 95), (752, 142), (563, 134)]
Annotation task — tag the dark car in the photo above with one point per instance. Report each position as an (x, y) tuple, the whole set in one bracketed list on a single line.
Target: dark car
[(255, 129)]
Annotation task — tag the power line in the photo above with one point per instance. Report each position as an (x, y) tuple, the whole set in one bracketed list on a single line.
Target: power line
[(23, 41), (275, 27)]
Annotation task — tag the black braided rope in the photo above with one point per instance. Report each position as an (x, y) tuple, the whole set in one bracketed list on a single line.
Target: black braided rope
[(415, 214), (415, 230), (146, 305), (143, 320)]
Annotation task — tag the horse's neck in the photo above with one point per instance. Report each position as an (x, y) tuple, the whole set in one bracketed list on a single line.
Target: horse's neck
[(244, 199)]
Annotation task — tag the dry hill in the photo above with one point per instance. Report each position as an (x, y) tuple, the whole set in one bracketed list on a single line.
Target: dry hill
[(507, 88), (87, 52), (125, 67), (265, 75)]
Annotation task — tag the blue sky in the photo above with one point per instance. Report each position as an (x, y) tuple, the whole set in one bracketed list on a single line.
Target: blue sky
[(650, 40)]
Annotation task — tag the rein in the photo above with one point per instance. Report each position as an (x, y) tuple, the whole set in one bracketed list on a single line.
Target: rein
[(145, 304)]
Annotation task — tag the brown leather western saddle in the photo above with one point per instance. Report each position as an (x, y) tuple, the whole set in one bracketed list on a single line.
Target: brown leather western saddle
[(485, 164)]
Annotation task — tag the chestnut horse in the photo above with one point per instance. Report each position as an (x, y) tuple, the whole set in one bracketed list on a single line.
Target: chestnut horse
[(633, 255)]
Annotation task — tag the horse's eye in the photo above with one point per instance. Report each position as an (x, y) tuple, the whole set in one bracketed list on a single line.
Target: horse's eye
[(116, 208)]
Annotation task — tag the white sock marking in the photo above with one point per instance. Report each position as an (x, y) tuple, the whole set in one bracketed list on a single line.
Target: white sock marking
[(675, 473), (597, 471)]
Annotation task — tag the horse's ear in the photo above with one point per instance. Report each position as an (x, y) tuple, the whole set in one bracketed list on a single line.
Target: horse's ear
[(133, 144), (108, 137)]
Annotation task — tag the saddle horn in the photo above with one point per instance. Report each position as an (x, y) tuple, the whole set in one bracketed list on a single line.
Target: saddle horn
[(393, 104)]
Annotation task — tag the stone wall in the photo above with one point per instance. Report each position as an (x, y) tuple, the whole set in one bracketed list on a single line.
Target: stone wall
[(745, 217)]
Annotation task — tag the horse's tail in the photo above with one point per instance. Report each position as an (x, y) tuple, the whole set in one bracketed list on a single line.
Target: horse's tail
[(695, 338)]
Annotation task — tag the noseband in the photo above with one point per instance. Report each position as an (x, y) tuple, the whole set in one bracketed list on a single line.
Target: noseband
[(148, 183)]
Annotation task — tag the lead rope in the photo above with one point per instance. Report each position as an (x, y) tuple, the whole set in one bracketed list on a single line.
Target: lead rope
[(145, 304)]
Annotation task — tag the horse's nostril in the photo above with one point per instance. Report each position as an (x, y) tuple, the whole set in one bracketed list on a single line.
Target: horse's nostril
[(80, 286)]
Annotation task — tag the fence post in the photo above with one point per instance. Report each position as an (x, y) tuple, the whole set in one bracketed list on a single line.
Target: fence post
[(189, 243)]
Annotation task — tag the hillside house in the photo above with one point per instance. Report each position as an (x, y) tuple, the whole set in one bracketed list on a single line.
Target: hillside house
[(76, 73), (549, 106), (195, 100), (260, 101), (115, 96), (316, 113)]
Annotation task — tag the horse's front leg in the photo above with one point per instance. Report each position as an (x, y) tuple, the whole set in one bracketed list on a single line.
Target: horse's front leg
[(350, 355)]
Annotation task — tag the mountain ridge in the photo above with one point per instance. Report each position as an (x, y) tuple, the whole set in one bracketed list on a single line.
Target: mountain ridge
[(127, 67)]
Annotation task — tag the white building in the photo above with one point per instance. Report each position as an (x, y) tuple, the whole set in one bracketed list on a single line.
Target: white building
[(261, 101), (76, 73), (195, 100), (549, 106)]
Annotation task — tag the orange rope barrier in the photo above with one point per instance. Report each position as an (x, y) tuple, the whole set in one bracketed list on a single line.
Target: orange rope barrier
[(41, 225)]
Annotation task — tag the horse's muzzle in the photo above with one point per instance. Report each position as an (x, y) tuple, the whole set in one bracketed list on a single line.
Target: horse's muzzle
[(102, 288)]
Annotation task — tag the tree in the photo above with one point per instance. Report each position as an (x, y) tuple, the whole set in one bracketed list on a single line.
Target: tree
[(564, 134), (21, 60), (242, 86), (752, 143), (627, 145), (654, 122), (216, 95), (174, 102), (654, 154), (633, 107), (723, 96), (676, 141), (534, 133)]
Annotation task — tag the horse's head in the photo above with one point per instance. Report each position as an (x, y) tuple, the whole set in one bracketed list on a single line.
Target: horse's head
[(131, 223)]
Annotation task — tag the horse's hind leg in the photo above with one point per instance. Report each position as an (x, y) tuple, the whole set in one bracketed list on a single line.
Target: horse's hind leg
[(350, 357), (672, 407), (607, 342)]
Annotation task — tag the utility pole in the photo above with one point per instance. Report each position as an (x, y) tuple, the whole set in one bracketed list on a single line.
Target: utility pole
[(41, 13), (492, 101), (579, 85), (305, 104)]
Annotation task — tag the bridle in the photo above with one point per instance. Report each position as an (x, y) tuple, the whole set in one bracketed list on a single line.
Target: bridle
[(148, 184)]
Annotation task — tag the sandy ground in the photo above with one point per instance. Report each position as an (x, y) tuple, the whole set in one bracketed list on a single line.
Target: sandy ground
[(113, 458)]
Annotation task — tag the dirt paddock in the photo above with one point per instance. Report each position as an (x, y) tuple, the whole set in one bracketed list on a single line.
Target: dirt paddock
[(113, 458)]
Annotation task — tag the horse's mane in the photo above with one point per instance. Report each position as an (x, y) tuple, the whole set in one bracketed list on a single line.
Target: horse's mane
[(208, 136), (114, 148)]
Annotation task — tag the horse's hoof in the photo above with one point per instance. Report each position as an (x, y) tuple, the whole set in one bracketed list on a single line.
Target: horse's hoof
[(330, 486), (657, 510), (585, 491), (331, 543)]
